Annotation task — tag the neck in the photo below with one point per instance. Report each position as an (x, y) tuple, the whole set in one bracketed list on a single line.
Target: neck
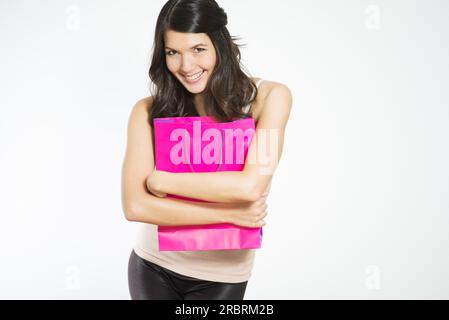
[(199, 104)]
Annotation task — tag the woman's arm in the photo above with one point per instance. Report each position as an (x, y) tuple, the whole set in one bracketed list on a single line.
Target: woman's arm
[(263, 156), (174, 212)]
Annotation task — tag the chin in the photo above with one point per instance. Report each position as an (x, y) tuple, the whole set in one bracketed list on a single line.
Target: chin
[(195, 91)]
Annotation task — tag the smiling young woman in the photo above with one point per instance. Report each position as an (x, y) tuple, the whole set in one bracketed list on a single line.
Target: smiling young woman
[(196, 71)]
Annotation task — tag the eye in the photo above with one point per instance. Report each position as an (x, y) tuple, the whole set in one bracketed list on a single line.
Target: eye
[(171, 52)]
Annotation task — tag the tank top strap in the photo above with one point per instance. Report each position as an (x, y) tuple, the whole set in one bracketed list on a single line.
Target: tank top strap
[(259, 82), (246, 109)]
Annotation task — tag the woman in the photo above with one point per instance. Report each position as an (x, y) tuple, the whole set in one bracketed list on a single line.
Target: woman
[(196, 72)]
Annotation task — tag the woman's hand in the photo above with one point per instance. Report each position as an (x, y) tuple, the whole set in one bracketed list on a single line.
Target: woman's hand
[(152, 184), (249, 214)]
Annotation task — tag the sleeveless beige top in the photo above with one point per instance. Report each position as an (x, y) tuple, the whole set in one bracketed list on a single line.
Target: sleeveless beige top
[(229, 266)]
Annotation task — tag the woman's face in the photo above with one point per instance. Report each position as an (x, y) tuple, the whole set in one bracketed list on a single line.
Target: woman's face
[(190, 54)]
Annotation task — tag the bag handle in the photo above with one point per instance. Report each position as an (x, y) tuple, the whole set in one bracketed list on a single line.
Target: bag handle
[(220, 156)]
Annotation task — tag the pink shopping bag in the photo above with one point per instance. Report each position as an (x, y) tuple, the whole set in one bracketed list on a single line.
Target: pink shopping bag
[(202, 144)]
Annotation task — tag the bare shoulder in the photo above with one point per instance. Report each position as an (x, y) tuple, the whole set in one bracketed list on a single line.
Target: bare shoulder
[(143, 104), (267, 88), (139, 112)]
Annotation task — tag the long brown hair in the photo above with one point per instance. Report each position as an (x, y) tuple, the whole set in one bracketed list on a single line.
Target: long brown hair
[(228, 90)]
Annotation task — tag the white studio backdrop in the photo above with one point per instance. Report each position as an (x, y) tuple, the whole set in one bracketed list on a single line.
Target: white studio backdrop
[(358, 205)]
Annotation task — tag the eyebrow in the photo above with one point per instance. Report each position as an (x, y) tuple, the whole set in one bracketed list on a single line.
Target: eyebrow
[(199, 44)]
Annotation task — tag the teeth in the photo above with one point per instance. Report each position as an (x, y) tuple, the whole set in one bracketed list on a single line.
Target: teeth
[(195, 76)]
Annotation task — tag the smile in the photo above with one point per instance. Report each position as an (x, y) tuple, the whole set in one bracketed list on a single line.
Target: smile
[(195, 77)]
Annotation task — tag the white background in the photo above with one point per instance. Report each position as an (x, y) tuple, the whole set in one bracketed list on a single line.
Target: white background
[(359, 203)]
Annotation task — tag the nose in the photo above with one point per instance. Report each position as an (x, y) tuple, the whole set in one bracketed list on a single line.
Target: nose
[(187, 64)]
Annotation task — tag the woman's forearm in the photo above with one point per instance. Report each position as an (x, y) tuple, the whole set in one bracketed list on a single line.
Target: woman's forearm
[(222, 187), (175, 212)]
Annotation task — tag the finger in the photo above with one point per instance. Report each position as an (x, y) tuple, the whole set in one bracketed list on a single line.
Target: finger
[(160, 194), (258, 222), (263, 215), (262, 200)]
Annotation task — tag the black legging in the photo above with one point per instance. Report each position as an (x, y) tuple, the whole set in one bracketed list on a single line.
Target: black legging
[(148, 281)]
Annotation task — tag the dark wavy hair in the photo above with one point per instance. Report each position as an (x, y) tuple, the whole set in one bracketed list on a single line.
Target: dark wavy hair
[(228, 90)]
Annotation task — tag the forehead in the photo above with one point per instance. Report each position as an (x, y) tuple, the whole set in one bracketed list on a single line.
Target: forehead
[(183, 40)]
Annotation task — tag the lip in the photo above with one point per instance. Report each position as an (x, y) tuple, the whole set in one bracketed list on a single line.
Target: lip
[(196, 80), (191, 75)]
